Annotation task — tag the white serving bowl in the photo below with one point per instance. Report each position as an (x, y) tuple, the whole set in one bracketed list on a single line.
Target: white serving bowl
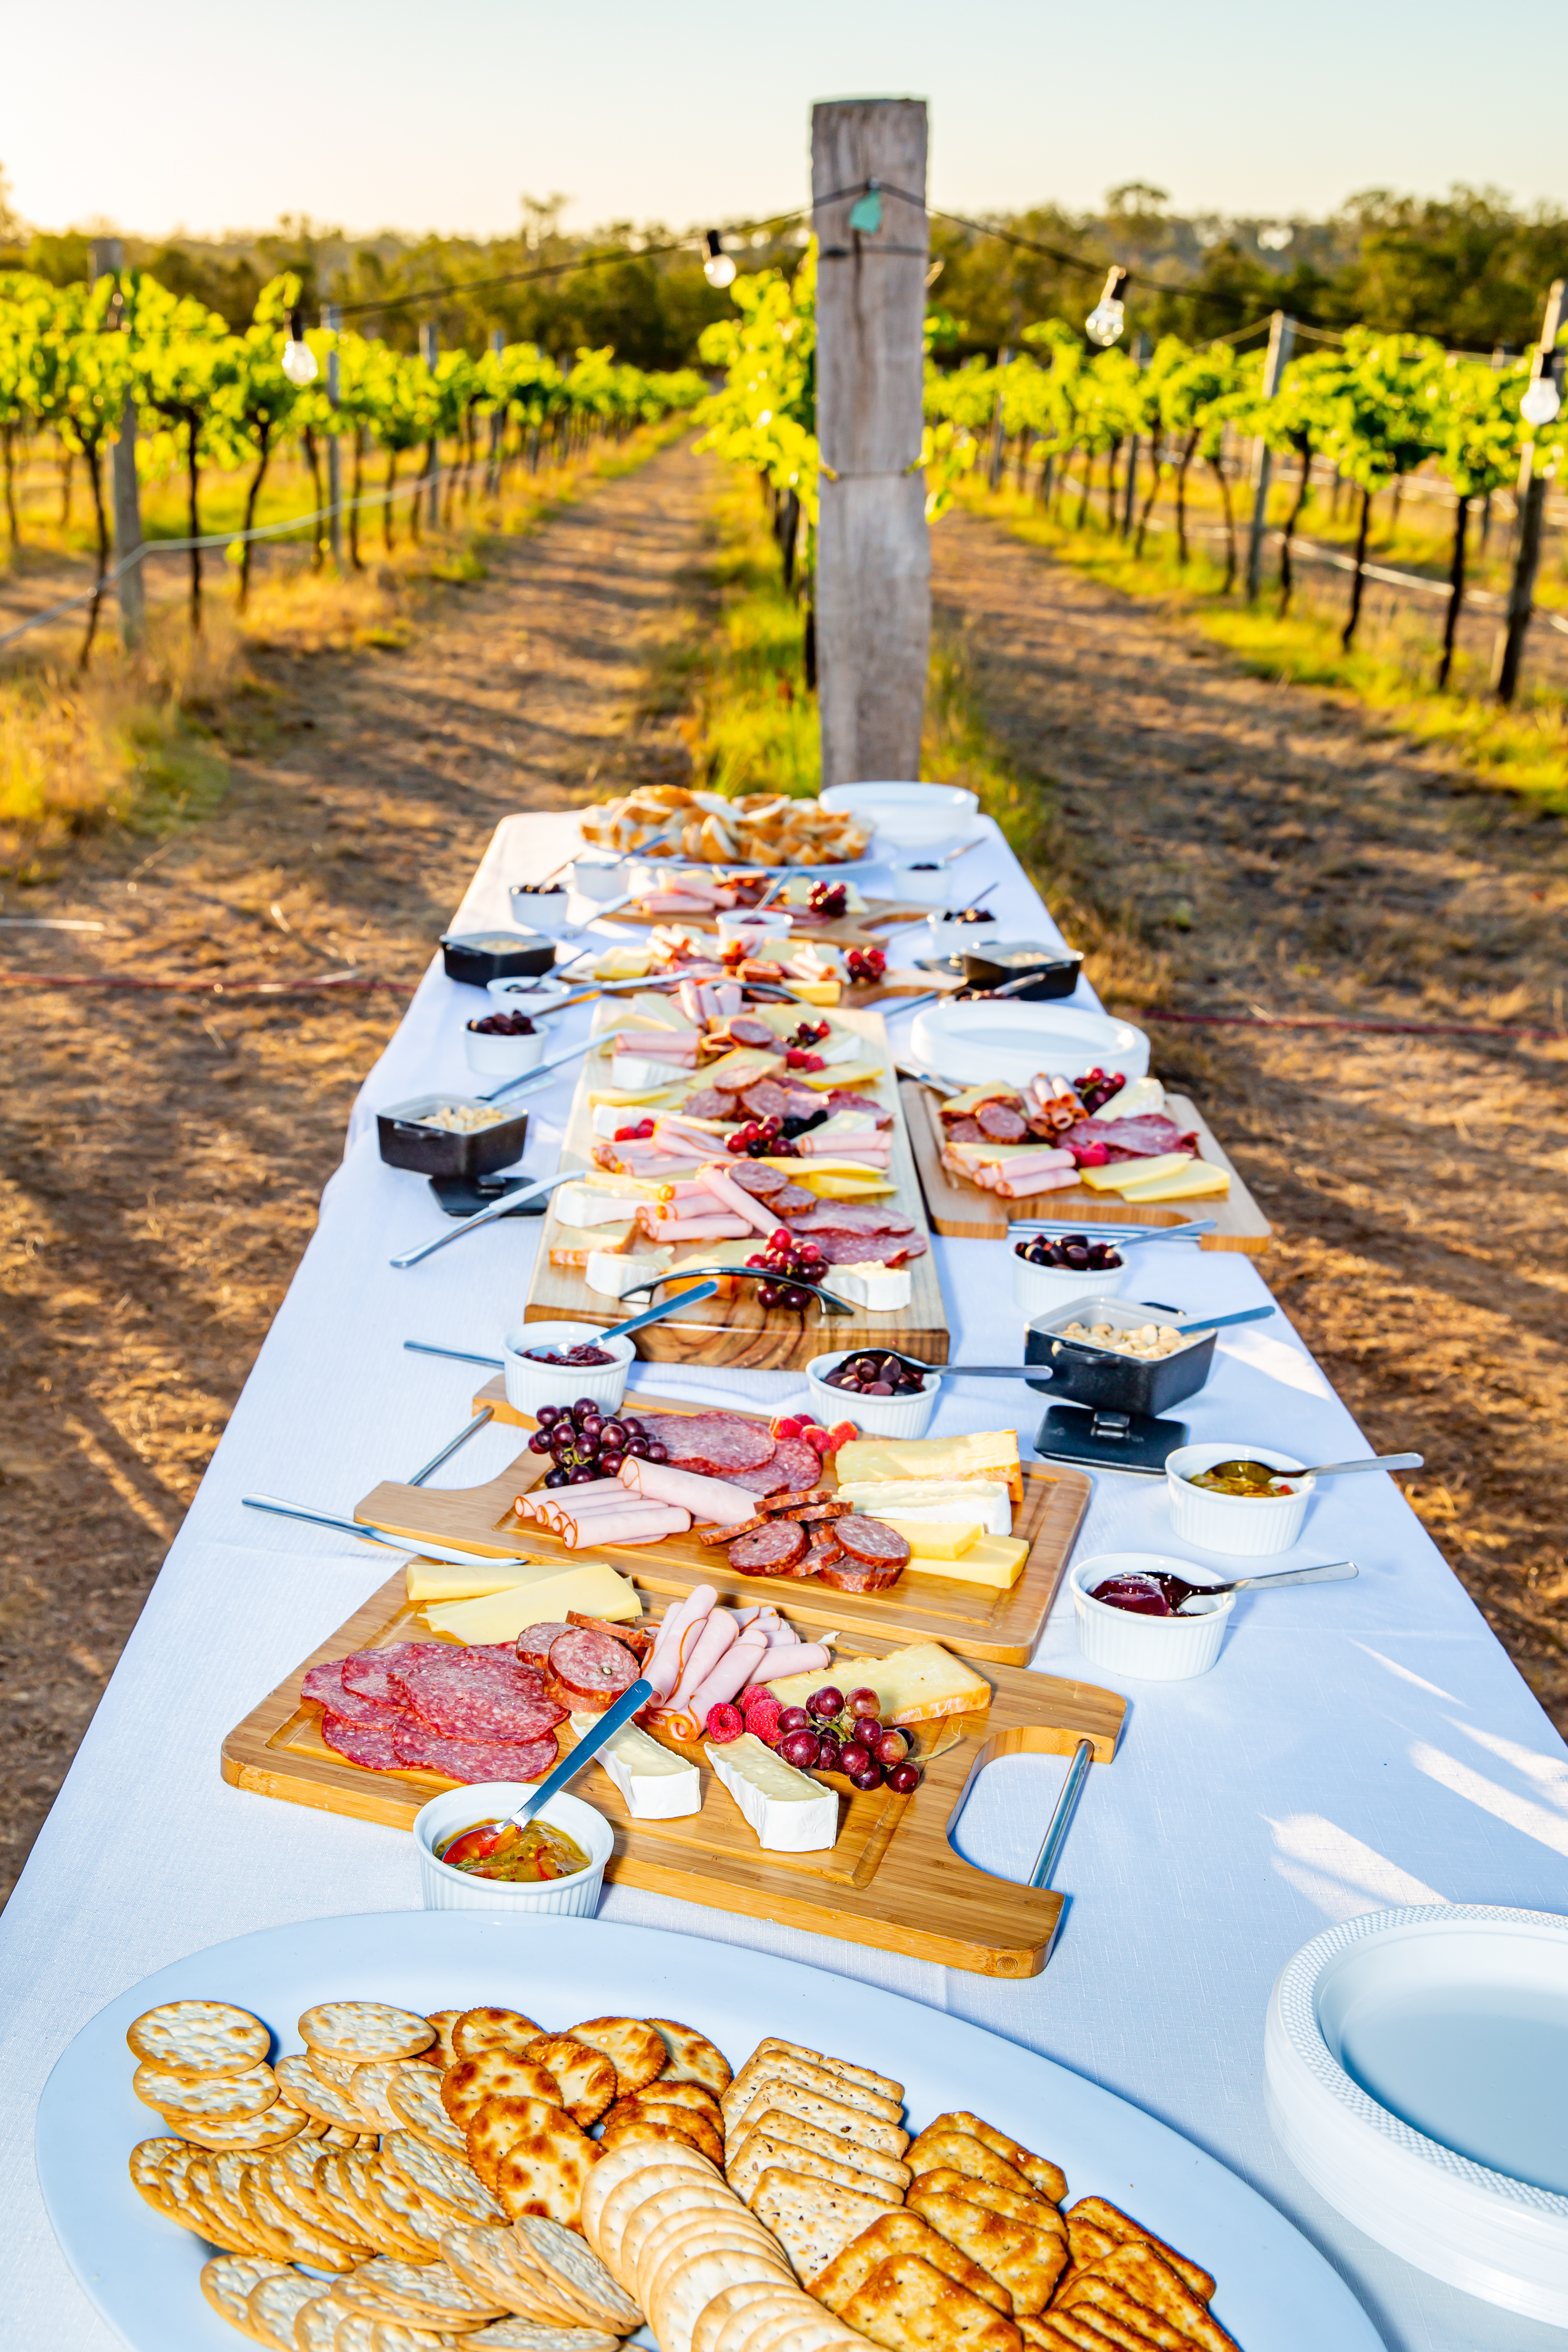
[(529, 1384), (502, 1057), (544, 911), (1413, 2068), (487, 1801), (520, 995), (909, 817), (1157, 1649), (894, 1416), (1002, 1037), (1046, 1290), (598, 877), (1239, 1524), (950, 937), (922, 885), (773, 923)]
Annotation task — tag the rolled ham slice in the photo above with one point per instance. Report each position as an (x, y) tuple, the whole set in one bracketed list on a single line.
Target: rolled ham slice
[(737, 1200), (719, 1634), (734, 1670), (676, 1637), (692, 1229), (1012, 1187), (792, 1657), (731, 996), (637, 1525), (714, 1500)]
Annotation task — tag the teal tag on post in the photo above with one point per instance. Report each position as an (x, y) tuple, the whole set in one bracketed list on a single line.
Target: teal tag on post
[(867, 215)]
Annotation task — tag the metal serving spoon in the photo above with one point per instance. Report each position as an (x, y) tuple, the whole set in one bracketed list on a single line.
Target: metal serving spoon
[(1334, 1571), (1244, 1467)]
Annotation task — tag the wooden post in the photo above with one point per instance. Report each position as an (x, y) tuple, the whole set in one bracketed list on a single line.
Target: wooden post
[(1508, 653), (332, 320), (108, 260), (498, 421), (1139, 361), (873, 565), (1281, 337), (998, 421), (430, 351)]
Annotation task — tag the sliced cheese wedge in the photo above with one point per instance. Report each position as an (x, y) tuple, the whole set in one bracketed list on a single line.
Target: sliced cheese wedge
[(1197, 1181), (937, 1539), (840, 1074), (444, 1579), (914, 1685), (655, 1785), (996, 1562), (1117, 1172), (790, 1812), (917, 1501), (984, 1453), (593, 1589), (825, 993)]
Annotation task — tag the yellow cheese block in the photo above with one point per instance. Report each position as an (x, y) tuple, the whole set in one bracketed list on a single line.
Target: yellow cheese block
[(965, 1104), (838, 1074), (937, 1539), (914, 1685), (620, 1098), (816, 992), (995, 1561), (991, 1454), (594, 1589), (838, 1184), (444, 1579), (1196, 1182), (1120, 1172), (623, 963)]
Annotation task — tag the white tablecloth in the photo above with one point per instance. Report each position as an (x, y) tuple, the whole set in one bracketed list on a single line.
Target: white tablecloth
[(1358, 1745)]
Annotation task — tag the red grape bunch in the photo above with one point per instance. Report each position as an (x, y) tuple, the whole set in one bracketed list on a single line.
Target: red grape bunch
[(587, 1442), (787, 1261)]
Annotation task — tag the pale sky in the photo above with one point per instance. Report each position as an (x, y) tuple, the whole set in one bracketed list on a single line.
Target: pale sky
[(174, 114)]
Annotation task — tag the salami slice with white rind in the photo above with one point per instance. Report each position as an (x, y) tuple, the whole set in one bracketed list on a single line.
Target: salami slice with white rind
[(590, 1669), (475, 1760)]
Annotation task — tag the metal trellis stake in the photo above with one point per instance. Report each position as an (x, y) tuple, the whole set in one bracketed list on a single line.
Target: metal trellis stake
[(1281, 338), (332, 320)]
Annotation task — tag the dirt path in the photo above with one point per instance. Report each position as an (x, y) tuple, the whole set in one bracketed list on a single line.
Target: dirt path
[(163, 1155), (1224, 845)]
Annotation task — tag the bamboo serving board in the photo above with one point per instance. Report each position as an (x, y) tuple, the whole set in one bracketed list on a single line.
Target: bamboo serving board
[(975, 1619), (892, 1881), (969, 1211), (738, 1331), (865, 931)]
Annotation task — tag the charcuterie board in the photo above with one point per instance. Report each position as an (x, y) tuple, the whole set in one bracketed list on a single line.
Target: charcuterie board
[(736, 1331), (969, 1212), (892, 1880), (975, 1619), (869, 928)]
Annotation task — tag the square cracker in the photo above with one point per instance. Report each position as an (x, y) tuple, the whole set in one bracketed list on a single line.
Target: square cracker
[(869, 2081), (762, 2151), (904, 2234), (1136, 2274), (910, 2307), (829, 2115), (780, 2123), (1122, 2230), (1024, 2259), (814, 2220), (779, 2067)]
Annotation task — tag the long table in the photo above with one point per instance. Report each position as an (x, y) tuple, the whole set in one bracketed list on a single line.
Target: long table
[(1358, 1746)]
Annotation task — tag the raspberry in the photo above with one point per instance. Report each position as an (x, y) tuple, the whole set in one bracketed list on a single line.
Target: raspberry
[(724, 1724), (762, 1720)]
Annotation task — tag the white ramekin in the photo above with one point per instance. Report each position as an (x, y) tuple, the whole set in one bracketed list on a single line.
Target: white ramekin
[(1157, 1649), (948, 938), (535, 910), (598, 877), (487, 1800), (894, 1416), (738, 929), (520, 995), (1049, 1289), (528, 1384), (921, 886), (502, 1057), (1234, 1523)]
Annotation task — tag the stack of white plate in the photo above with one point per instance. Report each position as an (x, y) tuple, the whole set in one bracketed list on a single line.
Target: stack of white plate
[(1416, 2068), (1007, 1041)]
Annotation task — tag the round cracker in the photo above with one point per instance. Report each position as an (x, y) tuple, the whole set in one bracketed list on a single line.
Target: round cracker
[(282, 2121), (618, 2165), (657, 2122), (686, 2293), (317, 2322), (491, 2029), (363, 2031), (635, 2051), (397, 2335), (444, 2185), (353, 2333), (318, 2247), (299, 2083), (226, 2284), (692, 2057), (744, 2320), (665, 2094), (545, 2170), (586, 2076), (203, 2096), (677, 2244), (273, 2303), (409, 2290), (734, 2300), (498, 2074), (200, 2037), (394, 2193), (566, 2259), (220, 2180), (530, 2335), (415, 2098), (441, 2050), (677, 2199), (150, 2161), (369, 2085)]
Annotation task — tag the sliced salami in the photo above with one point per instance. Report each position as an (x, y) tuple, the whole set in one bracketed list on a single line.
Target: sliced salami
[(1000, 1123), (815, 1515), (855, 1249), (721, 1440), (498, 1702), (770, 1479), (963, 1130), (712, 1536), (792, 1200), (752, 1177), (589, 1669), (795, 1498), (873, 1541), (324, 1686), (845, 1099), (374, 1744), (637, 1638), (475, 1760), (741, 1029), (847, 1575), (709, 1103), (368, 1673), (772, 1550), (801, 1463), (766, 1099), (533, 1642), (826, 1551)]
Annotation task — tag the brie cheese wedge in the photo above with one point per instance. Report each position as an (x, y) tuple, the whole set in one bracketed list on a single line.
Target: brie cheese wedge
[(631, 1075), (932, 1500), (843, 1046), (654, 1785), (790, 1811), (616, 1277), (881, 1289), (585, 1204)]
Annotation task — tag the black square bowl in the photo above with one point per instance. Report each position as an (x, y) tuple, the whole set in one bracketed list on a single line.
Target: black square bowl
[(407, 1142), (992, 963), (479, 957), (1110, 1383)]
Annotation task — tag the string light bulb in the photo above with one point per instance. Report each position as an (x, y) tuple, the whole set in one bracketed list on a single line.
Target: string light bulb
[(298, 359), (1109, 317), (1543, 401), (717, 270)]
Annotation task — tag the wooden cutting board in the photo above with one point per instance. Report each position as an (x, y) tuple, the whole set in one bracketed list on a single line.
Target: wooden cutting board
[(892, 1881), (969, 1211), (864, 930), (975, 1619), (738, 1331)]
